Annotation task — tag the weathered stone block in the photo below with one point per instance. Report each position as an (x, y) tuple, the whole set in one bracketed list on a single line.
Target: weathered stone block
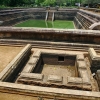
[(32, 61), (80, 57), (74, 80), (94, 59), (54, 78), (81, 64), (92, 53), (36, 53), (32, 76), (98, 78), (28, 68), (16, 64), (85, 77)]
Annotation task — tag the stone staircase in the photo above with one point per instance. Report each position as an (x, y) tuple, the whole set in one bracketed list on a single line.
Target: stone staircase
[(51, 45), (83, 20), (49, 16)]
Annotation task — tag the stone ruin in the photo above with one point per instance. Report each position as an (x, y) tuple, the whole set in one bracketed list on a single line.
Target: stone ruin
[(27, 68), (55, 64), (82, 19)]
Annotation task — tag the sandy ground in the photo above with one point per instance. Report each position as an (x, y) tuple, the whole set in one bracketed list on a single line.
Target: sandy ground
[(59, 70), (8, 96), (7, 53)]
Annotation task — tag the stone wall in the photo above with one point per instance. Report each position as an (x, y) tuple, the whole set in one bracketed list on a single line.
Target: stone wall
[(65, 15), (54, 59), (12, 18), (94, 60), (13, 68), (84, 19), (81, 36)]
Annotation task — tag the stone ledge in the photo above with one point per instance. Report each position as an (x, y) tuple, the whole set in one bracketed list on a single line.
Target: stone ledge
[(74, 80), (28, 68), (80, 57), (15, 62), (93, 54), (32, 76), (36, 54), (81, 64), (54, 78), (32, 61), (30, 90), (85, 77)]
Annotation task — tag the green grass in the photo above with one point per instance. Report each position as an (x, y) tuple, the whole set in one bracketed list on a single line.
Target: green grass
[(47, 24)]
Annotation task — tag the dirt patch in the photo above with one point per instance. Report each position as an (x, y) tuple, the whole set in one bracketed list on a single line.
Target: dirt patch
[(8, 96), (59, 70), (7, 53)]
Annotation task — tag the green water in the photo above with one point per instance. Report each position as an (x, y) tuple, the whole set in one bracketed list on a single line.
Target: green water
[(47, 24)]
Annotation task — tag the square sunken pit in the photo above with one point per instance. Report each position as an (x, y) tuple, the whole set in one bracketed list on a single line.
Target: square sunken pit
[(55, 69)]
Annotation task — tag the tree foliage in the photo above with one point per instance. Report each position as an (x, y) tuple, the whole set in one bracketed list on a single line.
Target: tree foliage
[(45, 2)]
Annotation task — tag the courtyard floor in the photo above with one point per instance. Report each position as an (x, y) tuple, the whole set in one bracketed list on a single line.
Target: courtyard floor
[(7, 53)]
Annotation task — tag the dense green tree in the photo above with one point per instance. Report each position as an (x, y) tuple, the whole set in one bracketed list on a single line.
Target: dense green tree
[(49, 2), (46, 2)]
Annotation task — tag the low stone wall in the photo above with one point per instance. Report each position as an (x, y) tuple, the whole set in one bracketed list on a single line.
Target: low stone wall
[(84, 19), (10, 72), (82, 36), (65, 15), (12, 18), (94, 60)]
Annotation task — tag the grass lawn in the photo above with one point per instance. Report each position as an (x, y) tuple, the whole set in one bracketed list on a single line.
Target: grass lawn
[(47, 24)]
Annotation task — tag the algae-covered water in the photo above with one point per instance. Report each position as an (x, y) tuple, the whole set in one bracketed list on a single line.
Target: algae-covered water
[(47, 24)]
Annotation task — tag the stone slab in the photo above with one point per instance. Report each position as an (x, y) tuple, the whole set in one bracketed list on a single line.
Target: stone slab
[(31, 76), (81, 64), (80, 57), (98, 73), (15, 62), (36, 53), (85, 77), (32, 61), (54, 78), (93, 54), (27, 89), (74, 80), (28, 68)]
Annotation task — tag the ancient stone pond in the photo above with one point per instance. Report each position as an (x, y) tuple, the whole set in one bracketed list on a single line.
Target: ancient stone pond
[(49, 63)]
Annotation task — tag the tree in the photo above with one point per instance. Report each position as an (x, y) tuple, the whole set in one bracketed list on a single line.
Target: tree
[(49, 2)]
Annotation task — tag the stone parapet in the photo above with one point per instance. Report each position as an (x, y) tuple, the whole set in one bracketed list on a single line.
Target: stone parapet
[(94, 59), (98, 78), (15, 65), (65, 35)]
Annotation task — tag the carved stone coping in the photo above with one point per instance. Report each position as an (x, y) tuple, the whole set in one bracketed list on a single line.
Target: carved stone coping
[(98, 77), (74, 80), (36, 54), (95, 26), (81, 64), (85, 77), (28, 68), (80, 57), (32, 76), (54, 78), (93, 54), (32, 61), (15, 62), (45, 91)]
